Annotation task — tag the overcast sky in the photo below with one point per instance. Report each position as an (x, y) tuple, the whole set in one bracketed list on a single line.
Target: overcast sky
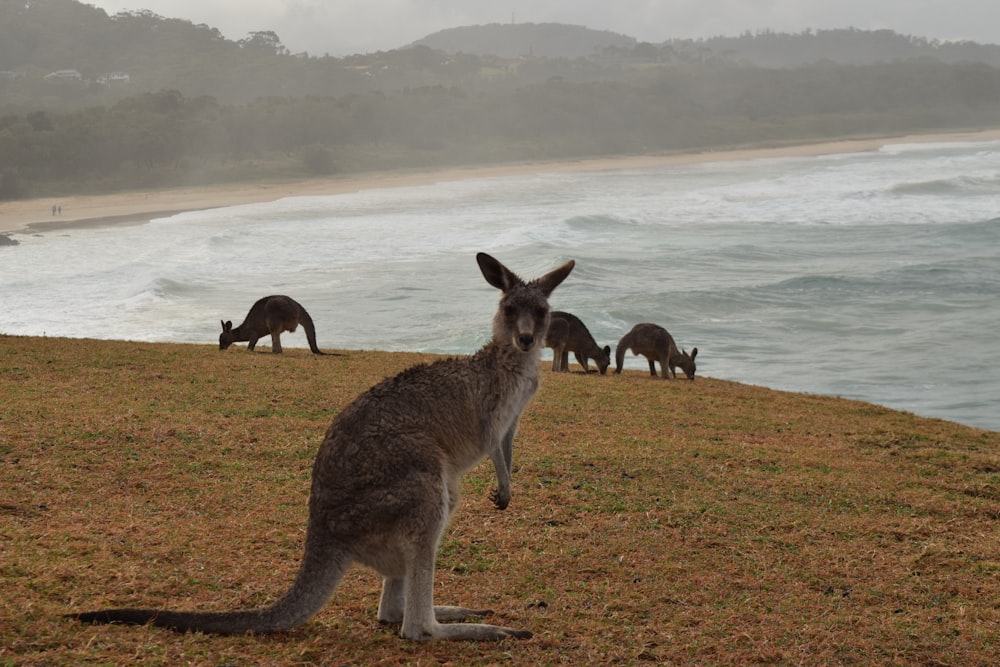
[(342, 27)]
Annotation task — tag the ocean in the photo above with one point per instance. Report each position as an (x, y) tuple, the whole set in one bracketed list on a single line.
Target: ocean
[(871, 275)]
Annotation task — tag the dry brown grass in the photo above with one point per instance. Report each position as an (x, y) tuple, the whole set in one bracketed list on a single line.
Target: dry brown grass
[(651, 521)]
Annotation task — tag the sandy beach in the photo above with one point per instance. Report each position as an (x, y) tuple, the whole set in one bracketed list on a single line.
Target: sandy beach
[(33, 215)]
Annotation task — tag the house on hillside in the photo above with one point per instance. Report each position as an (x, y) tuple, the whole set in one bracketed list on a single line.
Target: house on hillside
[(64, 74), (109, 78)]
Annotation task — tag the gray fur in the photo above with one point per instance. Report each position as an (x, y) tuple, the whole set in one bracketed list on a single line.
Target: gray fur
[(386, 478), (567, 333), (270, 315), (657, 345)]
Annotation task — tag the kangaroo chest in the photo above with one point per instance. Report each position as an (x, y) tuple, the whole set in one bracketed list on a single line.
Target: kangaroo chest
[(514, 400)]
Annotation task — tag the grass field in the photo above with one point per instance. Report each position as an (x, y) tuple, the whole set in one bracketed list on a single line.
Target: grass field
[(652, 522)]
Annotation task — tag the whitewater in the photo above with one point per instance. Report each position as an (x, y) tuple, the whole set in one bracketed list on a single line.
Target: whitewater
[(871, 275)]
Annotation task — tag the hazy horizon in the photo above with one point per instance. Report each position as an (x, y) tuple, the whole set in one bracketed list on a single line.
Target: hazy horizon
[(351, 26)]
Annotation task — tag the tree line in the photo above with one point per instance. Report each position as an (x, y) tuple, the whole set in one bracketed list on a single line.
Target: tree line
[(167, 138), (154, 53), (199, 108)]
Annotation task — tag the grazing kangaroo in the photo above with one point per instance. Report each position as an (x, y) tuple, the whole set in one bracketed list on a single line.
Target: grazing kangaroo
[(655, 344), (386, 478), (270, 315), (568, 334)]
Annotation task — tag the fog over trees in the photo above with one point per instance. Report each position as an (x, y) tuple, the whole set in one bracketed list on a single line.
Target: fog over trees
[(90, 102)]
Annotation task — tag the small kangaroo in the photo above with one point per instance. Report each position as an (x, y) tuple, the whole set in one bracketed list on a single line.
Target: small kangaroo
[(567, 333), (270, 315), (386, 478), (654, 343)]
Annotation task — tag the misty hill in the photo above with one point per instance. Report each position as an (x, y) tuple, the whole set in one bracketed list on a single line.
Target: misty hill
[(68, 55), (846, 47), (512, 40), (91, 101)]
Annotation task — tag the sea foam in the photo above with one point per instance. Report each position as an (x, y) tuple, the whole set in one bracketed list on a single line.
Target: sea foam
[(868, 275)]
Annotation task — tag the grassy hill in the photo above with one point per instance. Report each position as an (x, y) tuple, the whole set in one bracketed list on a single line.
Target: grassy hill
[(666, 522)]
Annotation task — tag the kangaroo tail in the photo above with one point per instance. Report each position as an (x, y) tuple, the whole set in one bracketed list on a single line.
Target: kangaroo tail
[(620, 354), (310, 329), (323, 566)]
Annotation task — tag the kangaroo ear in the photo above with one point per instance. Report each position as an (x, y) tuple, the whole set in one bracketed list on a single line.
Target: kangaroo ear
[(607, 350), (551, 280), (497, 274), (694, 353), (227, 325)]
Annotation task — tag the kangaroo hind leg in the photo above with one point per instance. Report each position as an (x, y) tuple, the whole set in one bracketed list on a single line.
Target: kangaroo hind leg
[(421, 619), (275, 325), (556, 356), (393, 601)]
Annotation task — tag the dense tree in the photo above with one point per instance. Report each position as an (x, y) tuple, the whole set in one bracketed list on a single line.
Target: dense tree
[(166, 137), (198, 107)]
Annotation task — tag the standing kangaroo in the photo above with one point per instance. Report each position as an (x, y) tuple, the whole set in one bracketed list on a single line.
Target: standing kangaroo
[(568, 334), (386, 478), (654, 343), (270, 315)]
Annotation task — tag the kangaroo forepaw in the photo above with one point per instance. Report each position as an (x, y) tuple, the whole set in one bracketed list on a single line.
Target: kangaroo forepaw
[(500, 498)]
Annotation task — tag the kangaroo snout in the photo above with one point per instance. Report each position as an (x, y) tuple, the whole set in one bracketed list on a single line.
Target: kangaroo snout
[(524, 324)]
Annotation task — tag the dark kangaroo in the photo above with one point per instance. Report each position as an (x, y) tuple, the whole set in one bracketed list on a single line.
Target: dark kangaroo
[(386, 478), (270, 315), (567, 333), (654, 343)]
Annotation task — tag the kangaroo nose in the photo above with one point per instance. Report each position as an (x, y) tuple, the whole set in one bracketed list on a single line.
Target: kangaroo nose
[(525, 341)]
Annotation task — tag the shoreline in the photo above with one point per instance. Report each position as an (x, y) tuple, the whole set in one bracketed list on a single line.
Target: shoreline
[(30, 216)]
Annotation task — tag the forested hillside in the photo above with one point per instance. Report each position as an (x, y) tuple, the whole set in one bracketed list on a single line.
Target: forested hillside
[(846, 47), (96, 103)]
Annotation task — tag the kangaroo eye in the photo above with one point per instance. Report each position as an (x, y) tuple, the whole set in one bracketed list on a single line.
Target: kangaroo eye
[(540, 313), (509, 311)]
